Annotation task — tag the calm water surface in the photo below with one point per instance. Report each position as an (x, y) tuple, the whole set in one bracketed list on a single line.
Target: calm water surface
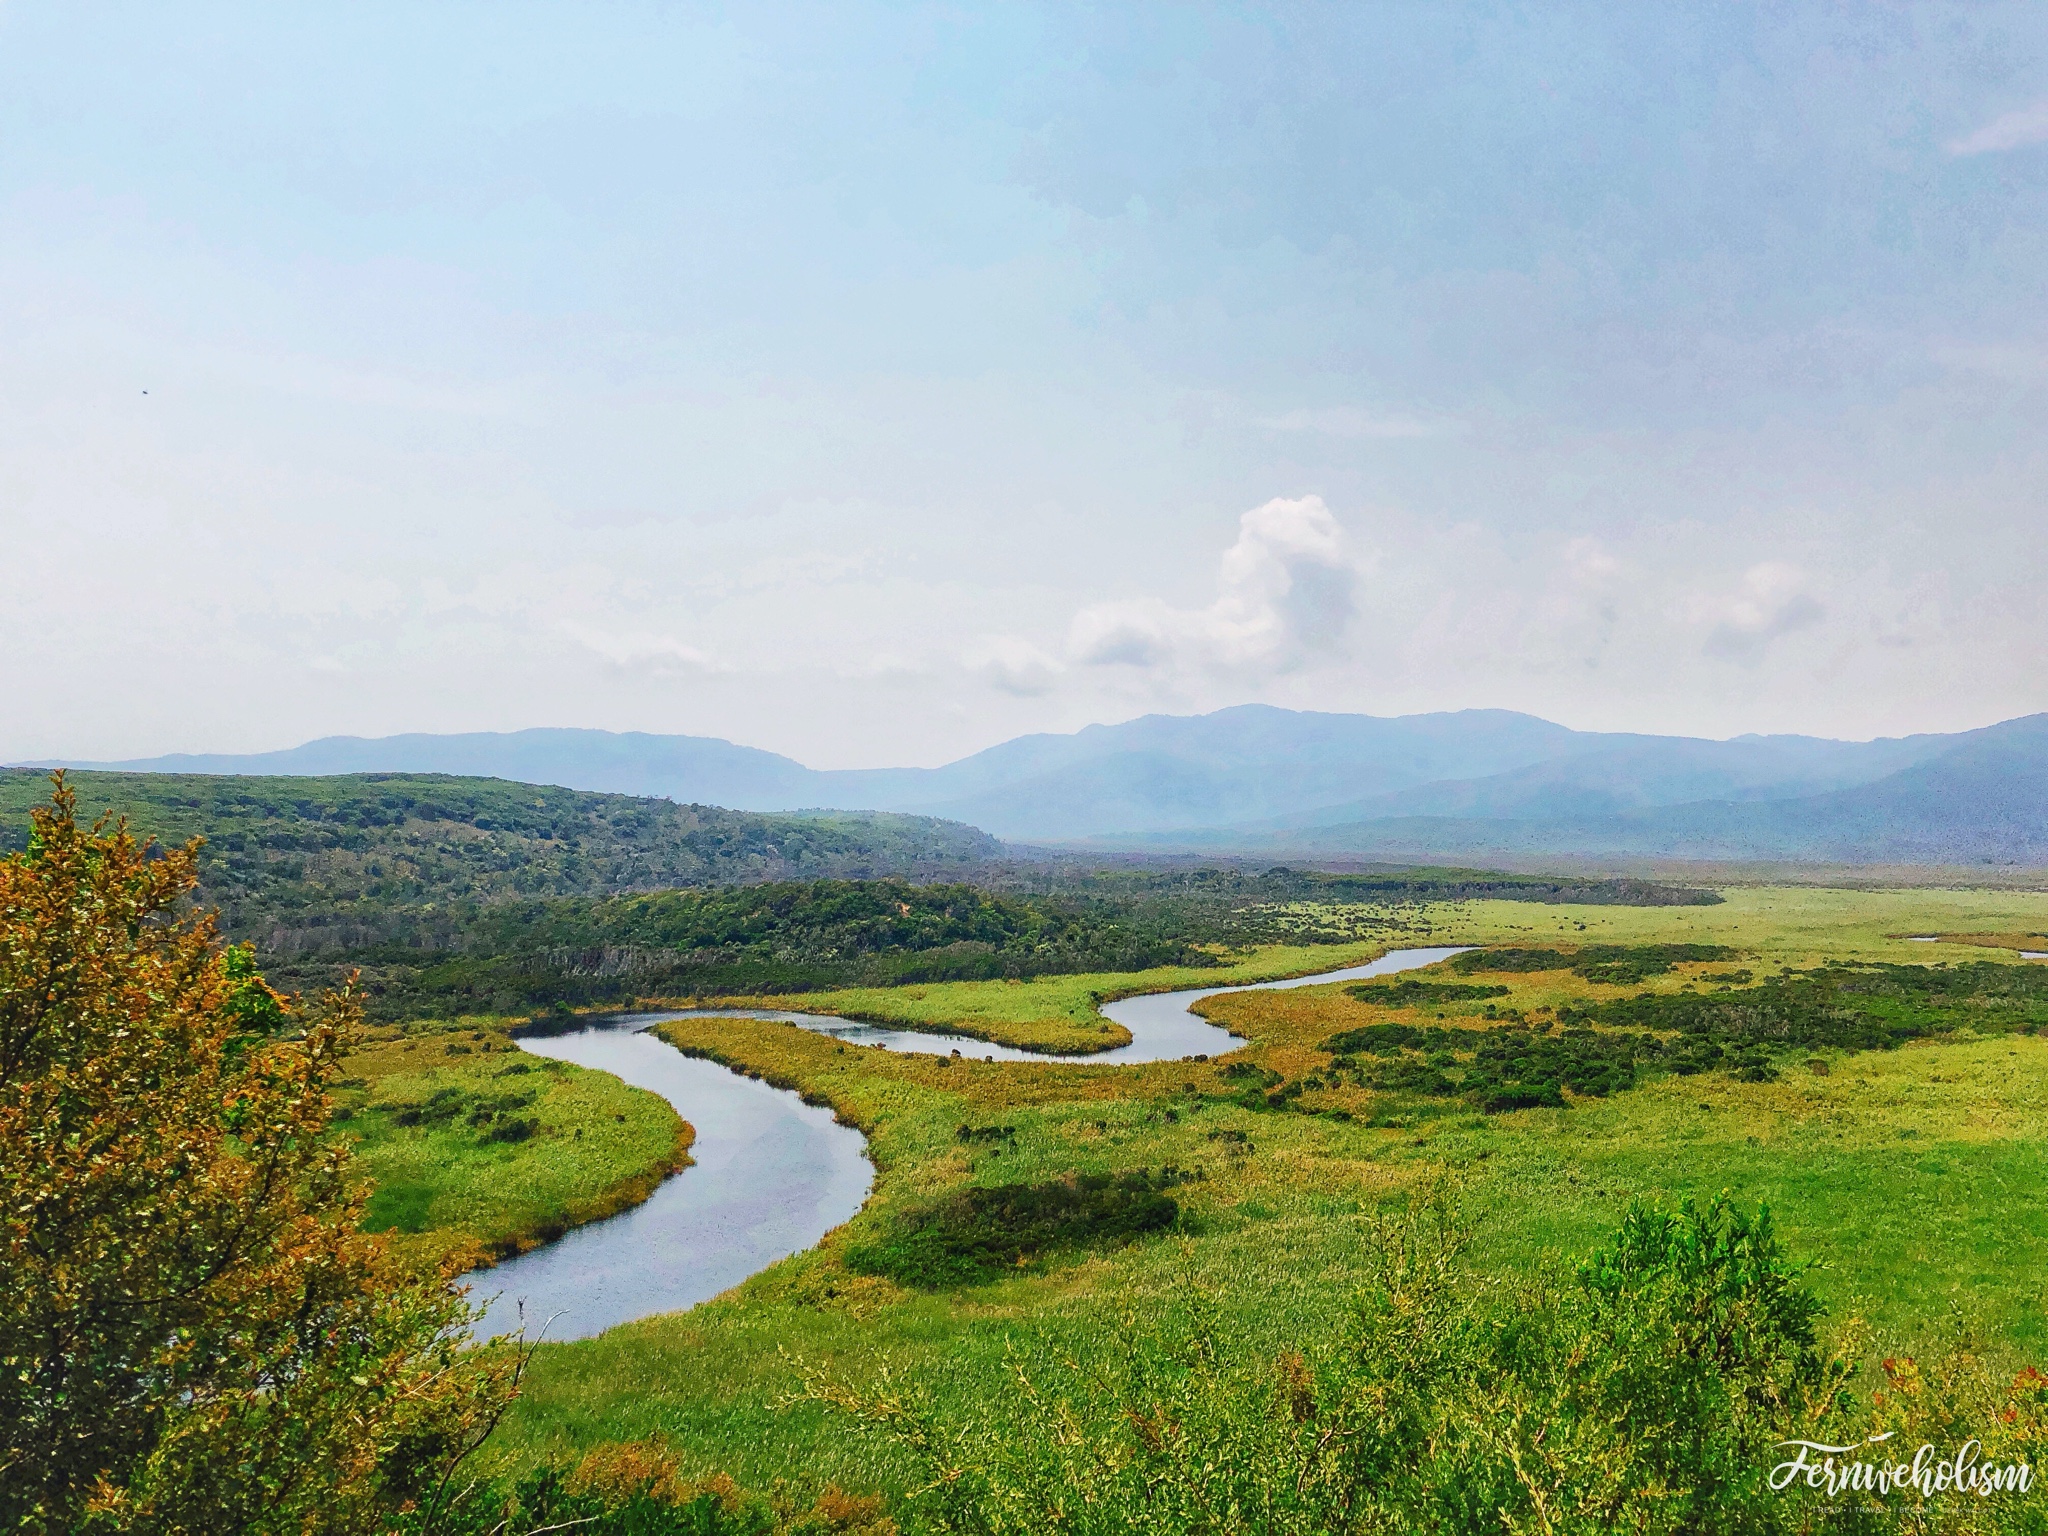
[(771, 1174)]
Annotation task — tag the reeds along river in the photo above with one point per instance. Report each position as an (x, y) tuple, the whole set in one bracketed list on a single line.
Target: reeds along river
[(770, 1174)]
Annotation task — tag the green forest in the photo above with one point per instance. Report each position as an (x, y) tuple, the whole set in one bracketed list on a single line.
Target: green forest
[(457, 896)]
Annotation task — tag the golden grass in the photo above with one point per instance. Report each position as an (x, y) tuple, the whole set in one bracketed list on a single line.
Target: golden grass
[(1780, 925)]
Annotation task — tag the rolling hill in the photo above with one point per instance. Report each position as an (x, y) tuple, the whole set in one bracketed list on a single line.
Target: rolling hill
[(286, 852)]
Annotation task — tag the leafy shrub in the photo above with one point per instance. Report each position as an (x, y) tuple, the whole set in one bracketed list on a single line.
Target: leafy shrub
[(1500, 1069), (976, 1234), (1644, 1393), (490, 1115), (195, 1333), (1611, 964)]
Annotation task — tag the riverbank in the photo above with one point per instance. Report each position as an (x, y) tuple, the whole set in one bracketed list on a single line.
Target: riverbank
[(771, 1175), (453, 1196), (478, 1150)]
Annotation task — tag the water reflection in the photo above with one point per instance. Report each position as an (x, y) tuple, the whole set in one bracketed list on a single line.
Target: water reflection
[(771, 1175)]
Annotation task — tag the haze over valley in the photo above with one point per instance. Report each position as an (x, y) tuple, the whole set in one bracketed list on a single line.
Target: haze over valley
[(1258, 780)]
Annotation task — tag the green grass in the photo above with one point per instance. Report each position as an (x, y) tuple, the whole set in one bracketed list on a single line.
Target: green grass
[(534, 1148), (1906, 1226), (1910, 1175)]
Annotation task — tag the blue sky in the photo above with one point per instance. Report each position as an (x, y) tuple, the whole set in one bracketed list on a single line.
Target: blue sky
[(874, 383)]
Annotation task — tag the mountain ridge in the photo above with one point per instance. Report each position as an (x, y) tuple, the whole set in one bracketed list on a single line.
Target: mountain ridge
[(1257, 778)]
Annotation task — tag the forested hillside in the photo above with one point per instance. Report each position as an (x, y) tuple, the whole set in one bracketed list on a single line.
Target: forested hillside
[(292, 860), (452, 895), (531, 956)]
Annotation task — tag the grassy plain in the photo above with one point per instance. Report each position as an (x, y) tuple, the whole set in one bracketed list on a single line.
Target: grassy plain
[(1785, 926), (1912, 1176), (477, 1149)]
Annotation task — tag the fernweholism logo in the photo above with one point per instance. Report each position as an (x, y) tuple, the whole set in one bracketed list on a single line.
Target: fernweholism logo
[(1927, 1474)]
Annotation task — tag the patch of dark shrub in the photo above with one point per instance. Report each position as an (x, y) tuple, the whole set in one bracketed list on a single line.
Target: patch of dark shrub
[(490, 1115), (1745, 1033), (1261, 1087), (1512, 1067), (1614, 965), (1410, 992), (975, 1235), (984, 1133), (1521, 1096)]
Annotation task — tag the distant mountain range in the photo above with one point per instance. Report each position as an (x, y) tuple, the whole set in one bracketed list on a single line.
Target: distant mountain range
[(1259, 780)]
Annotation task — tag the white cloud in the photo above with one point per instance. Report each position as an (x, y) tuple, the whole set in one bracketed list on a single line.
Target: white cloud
[(643, 654), (2015, 130), (1353, 421), (1771, 600), (1286, 589)]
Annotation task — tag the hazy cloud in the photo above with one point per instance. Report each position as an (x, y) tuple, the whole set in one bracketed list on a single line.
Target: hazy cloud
[(643, 654), (2015, 130), (1771, 600), (1589, 563), (1286, 589), (1016, 667)]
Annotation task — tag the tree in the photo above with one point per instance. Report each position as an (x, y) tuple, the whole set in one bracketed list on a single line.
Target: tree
[(194, 1336)]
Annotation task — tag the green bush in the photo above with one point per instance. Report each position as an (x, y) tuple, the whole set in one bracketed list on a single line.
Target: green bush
[(976, 1234), (1510, 1067), (1612, 964), (1645, 1393), (1412, 992)]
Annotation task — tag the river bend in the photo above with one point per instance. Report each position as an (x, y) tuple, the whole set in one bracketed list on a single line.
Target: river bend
[(771, 1175)]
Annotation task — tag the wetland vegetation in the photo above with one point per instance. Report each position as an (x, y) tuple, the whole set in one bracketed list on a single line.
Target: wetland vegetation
[(1884, 1170), (476, 1150), (1566, 1233)]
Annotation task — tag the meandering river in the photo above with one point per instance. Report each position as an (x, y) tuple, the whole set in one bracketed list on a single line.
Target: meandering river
[(771, 1174)]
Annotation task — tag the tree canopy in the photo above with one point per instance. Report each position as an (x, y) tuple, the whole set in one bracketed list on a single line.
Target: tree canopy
[(194, 1336)]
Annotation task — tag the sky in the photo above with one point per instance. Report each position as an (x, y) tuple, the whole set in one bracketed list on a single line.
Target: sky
[(875, 383)]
